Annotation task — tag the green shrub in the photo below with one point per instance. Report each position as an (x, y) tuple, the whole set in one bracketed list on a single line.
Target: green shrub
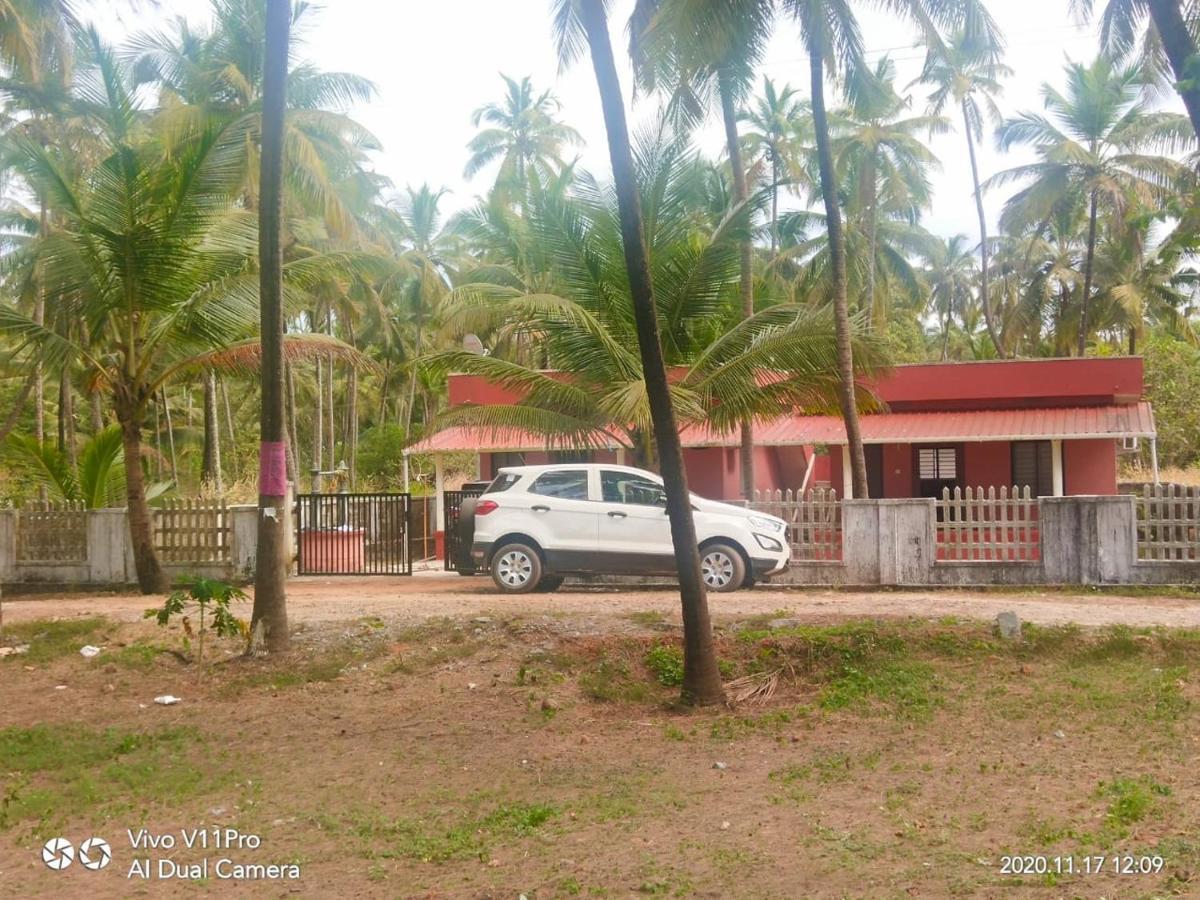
[(666, 663)]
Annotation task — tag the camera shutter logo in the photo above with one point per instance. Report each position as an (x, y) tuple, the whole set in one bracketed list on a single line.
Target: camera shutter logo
[(94, 853), (57, 853)]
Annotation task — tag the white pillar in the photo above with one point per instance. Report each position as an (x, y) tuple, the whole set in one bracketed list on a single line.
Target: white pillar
[(620, 456), (405, 456), (439, 479), (1154, 458), (847, 473), (1056, 467)]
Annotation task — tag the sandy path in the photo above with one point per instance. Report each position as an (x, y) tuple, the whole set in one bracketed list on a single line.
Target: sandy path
[(429, 594)]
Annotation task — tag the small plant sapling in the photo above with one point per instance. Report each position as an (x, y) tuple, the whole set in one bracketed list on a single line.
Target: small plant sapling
[(211, 599)]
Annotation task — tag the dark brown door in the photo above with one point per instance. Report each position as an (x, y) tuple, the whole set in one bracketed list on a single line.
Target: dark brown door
[(874, 454)]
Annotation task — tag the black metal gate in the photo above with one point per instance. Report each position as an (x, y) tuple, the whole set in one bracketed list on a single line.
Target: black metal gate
[(451, 503), (353, 534)]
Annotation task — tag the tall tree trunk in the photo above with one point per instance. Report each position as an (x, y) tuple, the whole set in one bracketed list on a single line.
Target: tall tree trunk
[(166, 407), (774, 205), (210, 463), (984, 299), (14, 414), (746, 253), (1178, 44), (66, 419), (318, 438), (150, 575), (230, 433), (701, 678), (330, 415), (290, 410), (96, 411), (1086, 300), (877, 321), (269, 618), (946, 333), (352, 425), (837, 262)]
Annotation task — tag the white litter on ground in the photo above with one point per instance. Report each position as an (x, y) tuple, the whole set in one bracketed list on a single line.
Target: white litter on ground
[(167, 700), (89, 651)]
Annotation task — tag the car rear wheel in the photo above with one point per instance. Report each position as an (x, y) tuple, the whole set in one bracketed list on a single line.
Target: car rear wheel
[(516, 568), (722, 568)]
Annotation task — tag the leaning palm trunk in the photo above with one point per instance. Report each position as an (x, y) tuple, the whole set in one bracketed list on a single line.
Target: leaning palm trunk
[(150, 576), (701, 678), (269, 618), (984, 300), (1085, 301), (837, 263), (746, 250), (1180, 49), (210, 463)]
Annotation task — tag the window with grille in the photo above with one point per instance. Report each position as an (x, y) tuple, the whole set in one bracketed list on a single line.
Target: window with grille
[(937, 463), (1033, 467)]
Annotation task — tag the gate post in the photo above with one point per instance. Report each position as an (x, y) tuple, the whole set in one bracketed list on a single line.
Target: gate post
[(439, 487)]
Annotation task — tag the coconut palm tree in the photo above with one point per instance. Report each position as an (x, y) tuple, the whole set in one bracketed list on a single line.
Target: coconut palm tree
[(1166, 46), (968, 75), (523, 134), (581, 24), (950, 275), (270, 571), (879, 155), (779, 134), (1091, 146)]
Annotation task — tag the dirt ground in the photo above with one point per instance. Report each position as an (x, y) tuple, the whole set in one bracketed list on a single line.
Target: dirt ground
[(435, 593), (427, 738)]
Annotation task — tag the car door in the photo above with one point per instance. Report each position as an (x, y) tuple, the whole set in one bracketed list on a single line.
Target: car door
[(635, 532), (568, 518)]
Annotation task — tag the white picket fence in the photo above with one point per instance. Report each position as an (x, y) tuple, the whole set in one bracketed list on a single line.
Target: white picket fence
[(49, 532), (1168, 523), (983, 525), (814, 521)]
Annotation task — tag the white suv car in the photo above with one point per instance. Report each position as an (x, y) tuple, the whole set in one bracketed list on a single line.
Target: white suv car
[(535, 524)]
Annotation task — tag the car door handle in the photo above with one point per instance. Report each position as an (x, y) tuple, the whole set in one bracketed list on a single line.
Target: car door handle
[(616, 514), (540, 508)]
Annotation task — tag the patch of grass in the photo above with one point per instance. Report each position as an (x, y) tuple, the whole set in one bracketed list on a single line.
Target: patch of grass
[(139, 656), (666, 663), (328, 665), (906, 688), (52, 771), (1130, 800), (610, 681), (50, 640), (433, 841), (729, 728)]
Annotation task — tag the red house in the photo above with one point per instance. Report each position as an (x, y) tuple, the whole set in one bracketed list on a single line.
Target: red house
[(1054, 425)]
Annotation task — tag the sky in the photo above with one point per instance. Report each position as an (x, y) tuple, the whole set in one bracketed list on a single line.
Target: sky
[(435, 61)]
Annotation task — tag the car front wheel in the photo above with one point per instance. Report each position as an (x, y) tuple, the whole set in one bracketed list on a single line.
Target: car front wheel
[(516, 568), (722, 568)]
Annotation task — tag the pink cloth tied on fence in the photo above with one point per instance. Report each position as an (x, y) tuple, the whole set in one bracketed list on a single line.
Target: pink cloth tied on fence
[(272, 469)]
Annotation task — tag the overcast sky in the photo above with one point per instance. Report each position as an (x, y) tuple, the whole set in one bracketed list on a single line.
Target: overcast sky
[(434, 61)]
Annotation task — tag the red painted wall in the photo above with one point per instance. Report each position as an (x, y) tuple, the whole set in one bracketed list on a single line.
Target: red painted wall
[(1090, 467), (706, 471), (987, 464), (1011, 384)]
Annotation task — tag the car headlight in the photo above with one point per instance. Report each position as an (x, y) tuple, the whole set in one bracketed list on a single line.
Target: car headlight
[(767, 524), (768, 543)]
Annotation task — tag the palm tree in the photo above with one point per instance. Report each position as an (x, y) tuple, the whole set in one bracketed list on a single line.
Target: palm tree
[(968, 75), (950, 276), (270, 571), (523, 135), (580, 23), (878, 153), (1168, 42), (778, 133), (1091, 147)]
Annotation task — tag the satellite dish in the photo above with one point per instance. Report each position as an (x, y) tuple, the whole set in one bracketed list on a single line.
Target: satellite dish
[(472, 344)]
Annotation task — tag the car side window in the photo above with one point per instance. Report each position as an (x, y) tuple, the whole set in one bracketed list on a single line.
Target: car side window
[(622, 487), (502, 483), (568, 485)]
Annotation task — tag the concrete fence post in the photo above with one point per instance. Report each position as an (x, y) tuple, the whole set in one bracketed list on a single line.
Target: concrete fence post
[(1087, 540), (8, 545), (860, 541), (243, 551), (907, 546), (109, 547)]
